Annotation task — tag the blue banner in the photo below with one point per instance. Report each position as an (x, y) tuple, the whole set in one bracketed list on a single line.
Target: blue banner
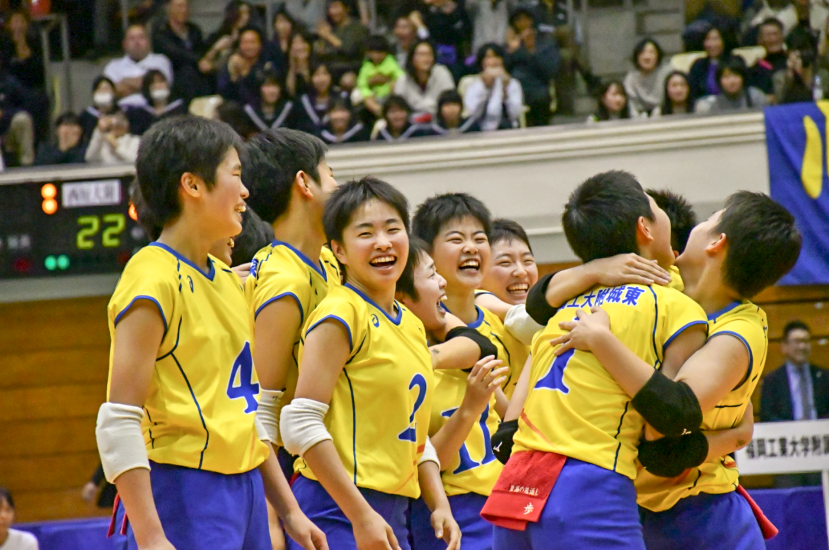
[(797, 140)]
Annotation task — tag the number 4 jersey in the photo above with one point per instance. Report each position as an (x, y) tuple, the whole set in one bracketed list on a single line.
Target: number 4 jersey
[(200, 408), (575, 407)]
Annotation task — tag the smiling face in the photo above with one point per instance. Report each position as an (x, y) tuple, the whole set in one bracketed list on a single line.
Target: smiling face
[(321, 79), (224, 203), (461, 252), (374, 247), (431, 291), (648, 58), (678, 89), (615, 99), (513, 271), (250, 45), (424, 58), (731, 83)]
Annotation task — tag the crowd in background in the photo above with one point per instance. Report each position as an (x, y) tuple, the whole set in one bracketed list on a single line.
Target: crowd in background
[(443, 67)]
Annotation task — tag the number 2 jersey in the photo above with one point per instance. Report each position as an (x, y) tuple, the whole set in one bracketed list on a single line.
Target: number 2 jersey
[(746, 322), (575, 407), (378, 416), (200, 409)]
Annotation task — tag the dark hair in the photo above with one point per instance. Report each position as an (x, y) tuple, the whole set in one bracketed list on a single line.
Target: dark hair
[(274, 159), (147, 81), (99, 79), (256, 234), (518, 12), (233, 113), (339, 104), (231, 16), (315, 63), (448, 96), (284, 13), (406, 282), (797, 324), (601, 112), (771, 21), (508, 230), (680, 212), (497, 49), (69, 118), (437, 211), (727, 35), (667, 104), (601, 215), (6, 494), (346, 199), (378, 43), (145, 218), (640, 47), (398, 101), (736, 65), (410, 69), (174, 146), (270, 76), (763, 242)]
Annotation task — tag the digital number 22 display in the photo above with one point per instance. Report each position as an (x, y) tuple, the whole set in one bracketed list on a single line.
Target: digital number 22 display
[(114, 225)]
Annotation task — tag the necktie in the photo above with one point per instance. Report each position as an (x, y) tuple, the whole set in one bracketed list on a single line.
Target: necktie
[(805, 397)]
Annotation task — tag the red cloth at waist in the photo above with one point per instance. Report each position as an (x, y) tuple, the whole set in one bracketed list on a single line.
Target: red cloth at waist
[(522, 489), (766, 526)]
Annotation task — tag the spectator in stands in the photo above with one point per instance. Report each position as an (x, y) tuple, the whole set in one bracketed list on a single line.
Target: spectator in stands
[(676, 96), (490, 19), (341, 126), (613, 103), (106, 498), (24, 57), (298, 80), (770, 36), (103, 103), (449, 29), (313, 106), (220, 43), (17, 133), (703, 73), (12, 539), (272, 109), (181, 41), (397, 125), (112, 142), (424, 80), (277, 48), (307, 12), (234, 114), (781, 10), (645, 83), (156, 91), (407, 30), (736, 94), (532, 59), (238, 78), (493, 97), (449, 119), (341, 40), (68, 147), (798, 390), (378, 74), (128, 72)]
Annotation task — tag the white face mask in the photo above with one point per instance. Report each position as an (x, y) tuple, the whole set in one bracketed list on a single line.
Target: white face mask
[(160, 94), (103, 99)]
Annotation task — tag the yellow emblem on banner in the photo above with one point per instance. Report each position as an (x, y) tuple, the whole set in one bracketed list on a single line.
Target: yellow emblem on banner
[(811, 173)]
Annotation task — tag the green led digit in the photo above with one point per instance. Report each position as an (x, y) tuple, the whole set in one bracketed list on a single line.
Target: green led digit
[(110, 236), (89, 226)]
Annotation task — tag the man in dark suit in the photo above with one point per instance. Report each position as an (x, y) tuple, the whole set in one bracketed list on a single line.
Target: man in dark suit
[(797, 390)]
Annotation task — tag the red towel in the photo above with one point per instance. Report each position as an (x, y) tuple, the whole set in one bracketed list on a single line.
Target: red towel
[(522, 490), (766, 526), (124, 521)]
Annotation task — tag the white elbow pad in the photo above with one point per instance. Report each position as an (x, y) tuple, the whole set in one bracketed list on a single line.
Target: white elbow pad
[(520, 324), (267, 415), (429, 454), (302, 425), (120, 439)]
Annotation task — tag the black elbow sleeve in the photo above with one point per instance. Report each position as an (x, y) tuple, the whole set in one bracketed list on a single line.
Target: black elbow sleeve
[(502, 440), (484, 343), (670, 456), (670, 407), (537, 306)]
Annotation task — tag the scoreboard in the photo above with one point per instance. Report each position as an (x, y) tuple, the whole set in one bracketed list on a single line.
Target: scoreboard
[(70, 226)]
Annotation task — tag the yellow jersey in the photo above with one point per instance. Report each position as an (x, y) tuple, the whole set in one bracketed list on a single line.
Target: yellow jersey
[(676, 279), (575, 407), (746, 322), (378, 416), (202, 399), (281, 271), (511, 350)]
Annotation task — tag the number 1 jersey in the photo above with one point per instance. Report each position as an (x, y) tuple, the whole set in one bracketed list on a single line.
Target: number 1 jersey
[(200, 408)]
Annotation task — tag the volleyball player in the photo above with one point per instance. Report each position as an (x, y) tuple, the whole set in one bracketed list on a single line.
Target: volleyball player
[(178, 431), (360, 416)]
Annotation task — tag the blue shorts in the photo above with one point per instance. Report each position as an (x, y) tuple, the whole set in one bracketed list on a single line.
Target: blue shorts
[(201, 509), (590, 508), (704, 521), (320, 508), (476, 532)]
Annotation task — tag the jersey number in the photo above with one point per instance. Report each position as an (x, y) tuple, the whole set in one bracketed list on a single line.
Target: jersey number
[(410, 433), (246, 388), (554, 380), (466, 461)]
